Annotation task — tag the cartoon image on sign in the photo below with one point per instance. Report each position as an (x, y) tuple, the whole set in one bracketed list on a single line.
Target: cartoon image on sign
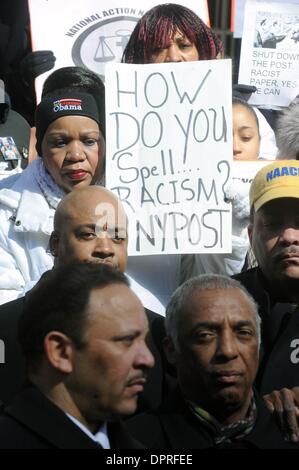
[(276, 31)]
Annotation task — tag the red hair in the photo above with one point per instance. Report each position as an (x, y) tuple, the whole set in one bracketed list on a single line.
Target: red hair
[(157, 27)]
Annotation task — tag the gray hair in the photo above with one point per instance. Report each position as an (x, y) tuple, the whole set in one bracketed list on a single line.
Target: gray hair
[(287, 132), (178, 302)]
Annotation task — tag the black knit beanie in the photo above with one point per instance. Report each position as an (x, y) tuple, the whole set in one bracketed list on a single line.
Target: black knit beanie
[(56, 105)]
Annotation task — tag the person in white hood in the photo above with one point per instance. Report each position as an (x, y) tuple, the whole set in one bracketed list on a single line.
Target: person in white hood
[(246, 146)]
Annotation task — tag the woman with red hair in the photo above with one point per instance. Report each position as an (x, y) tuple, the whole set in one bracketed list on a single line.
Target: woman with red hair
[(171, 33)]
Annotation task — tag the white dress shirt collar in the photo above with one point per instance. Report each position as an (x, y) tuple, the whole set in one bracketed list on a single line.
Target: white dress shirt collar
[(101, 437)]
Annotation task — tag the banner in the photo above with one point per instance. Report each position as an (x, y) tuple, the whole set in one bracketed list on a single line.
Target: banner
[(169, 147), (90, 33), (270, 52)]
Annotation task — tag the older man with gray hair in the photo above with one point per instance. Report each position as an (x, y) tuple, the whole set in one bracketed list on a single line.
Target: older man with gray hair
[(213, 338)]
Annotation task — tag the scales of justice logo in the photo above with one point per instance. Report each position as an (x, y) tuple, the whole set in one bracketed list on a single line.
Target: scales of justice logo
[(103, 42)]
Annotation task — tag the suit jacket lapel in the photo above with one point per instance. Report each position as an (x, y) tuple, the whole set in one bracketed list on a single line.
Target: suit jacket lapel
[(181, 434), (47, 421), (182, 428), (120, 438)]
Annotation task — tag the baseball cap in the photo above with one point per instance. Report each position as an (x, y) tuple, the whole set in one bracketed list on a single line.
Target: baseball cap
[(277, 180)]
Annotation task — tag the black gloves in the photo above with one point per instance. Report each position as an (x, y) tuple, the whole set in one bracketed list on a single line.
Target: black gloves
[(36, 63)]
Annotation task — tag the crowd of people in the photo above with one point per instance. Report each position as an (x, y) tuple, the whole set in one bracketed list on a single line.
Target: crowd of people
[(109, 351)]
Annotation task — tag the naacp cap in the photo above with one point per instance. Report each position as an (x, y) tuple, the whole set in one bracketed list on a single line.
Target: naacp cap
[(280, 179)]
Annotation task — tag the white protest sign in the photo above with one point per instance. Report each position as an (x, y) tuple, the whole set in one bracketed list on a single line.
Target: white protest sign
[(169, 147), (245, 171), (90, 33), (270, 52)]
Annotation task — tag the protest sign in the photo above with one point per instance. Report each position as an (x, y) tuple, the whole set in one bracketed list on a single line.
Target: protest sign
[(169, 147), (245, 171), (90, 33), (270, 52)]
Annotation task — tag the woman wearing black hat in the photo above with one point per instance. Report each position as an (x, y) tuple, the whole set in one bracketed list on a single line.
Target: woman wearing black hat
[(69, 130)]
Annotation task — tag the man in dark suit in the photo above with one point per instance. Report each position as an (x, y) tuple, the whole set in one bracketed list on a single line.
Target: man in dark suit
[(83, 336), (274, 284), (213, 336), (85, 230)]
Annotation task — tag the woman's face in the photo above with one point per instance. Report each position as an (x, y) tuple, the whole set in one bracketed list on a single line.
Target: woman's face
[(179, 49), (246, 139), (73, 151)]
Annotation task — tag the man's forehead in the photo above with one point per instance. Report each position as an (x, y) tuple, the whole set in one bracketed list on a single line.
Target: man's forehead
[(116, 302), (92, 202), (99, 214), (113, 293), (218, 304), (287, 203)]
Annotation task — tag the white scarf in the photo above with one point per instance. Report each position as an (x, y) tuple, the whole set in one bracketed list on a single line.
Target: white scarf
[(51, 191)]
